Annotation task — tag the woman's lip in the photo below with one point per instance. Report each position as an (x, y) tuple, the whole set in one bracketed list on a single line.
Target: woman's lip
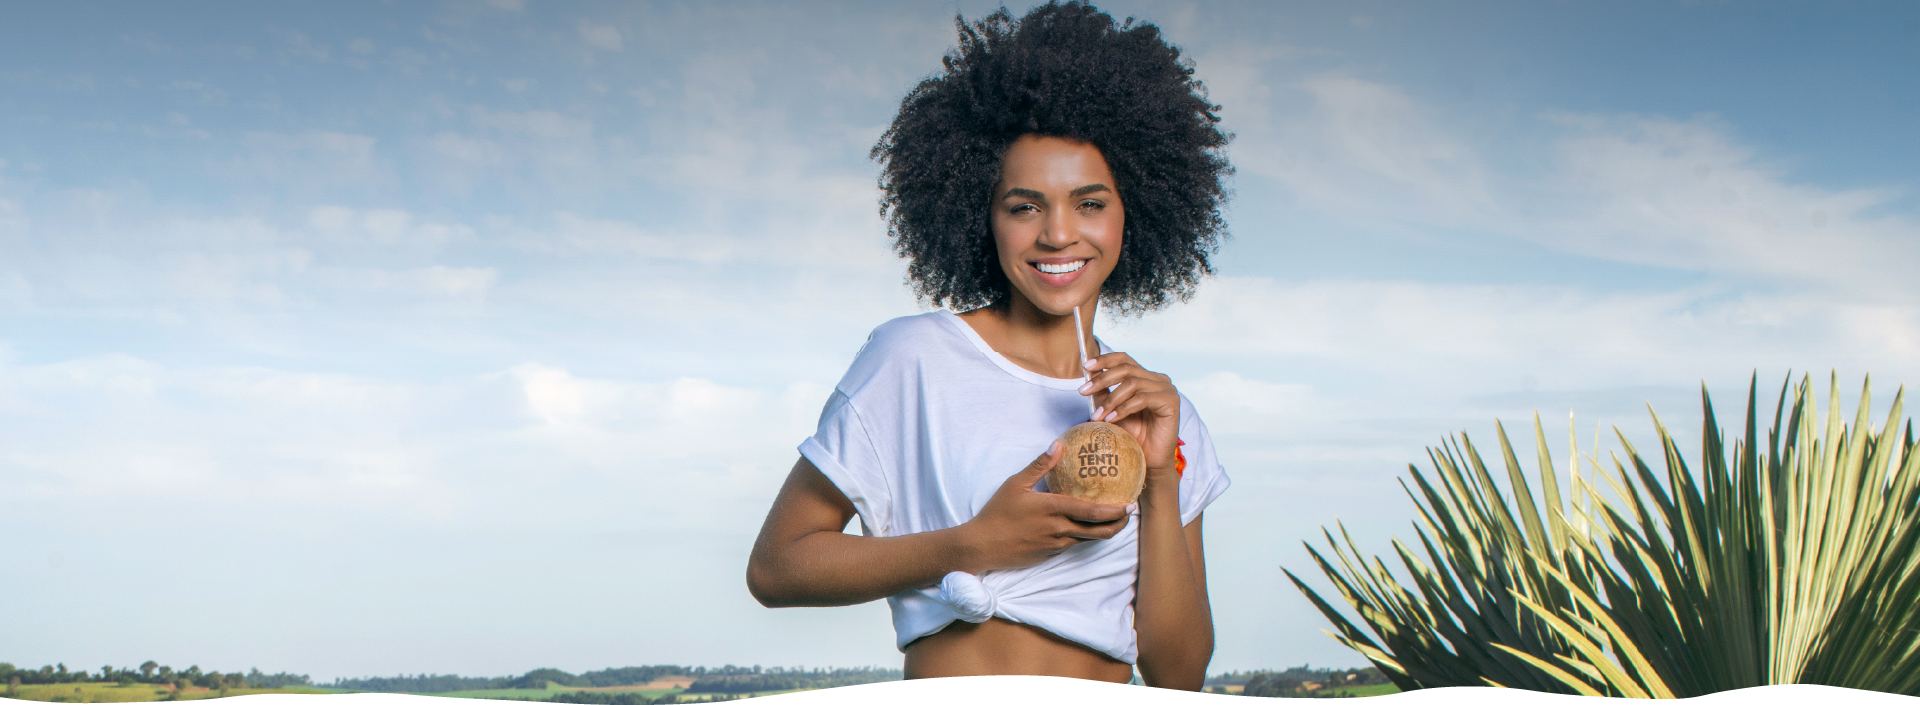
[(1058, 279)]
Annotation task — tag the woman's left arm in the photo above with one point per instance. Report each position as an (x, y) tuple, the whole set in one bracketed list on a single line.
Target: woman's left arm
[(1172, 616)]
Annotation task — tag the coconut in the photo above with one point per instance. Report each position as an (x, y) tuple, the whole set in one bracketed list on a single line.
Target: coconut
[(1099, 462)]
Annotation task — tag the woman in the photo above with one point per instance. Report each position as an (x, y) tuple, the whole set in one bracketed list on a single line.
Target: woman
[(1060, 161)]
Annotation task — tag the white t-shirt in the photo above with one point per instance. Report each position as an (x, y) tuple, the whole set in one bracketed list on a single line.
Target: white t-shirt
[(927, 424)]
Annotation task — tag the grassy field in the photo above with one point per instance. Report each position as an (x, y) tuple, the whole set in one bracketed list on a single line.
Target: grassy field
[(131, 693), (1358, 691), (1367, 691), (145, 692)]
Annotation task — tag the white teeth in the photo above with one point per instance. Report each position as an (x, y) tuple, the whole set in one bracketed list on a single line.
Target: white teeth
[(1073, 266)]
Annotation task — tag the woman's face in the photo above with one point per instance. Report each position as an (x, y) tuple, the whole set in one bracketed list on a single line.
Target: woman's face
[(1056, 221)]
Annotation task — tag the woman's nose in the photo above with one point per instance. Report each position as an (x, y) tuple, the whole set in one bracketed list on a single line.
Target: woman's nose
[(1058, 232)]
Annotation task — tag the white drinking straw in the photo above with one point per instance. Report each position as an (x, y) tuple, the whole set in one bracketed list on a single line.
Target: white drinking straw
[(1080, 338)]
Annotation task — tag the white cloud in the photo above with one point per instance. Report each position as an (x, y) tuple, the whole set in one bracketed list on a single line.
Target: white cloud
[(1237, 405), (387, 227), (1453, 339), (315, 159), (1685, 195), (1674, 194), (540, 124), (600, 36), (572, 234), (434, 281), (300, 45), (1368, 152), (470, 152), (470, 448)]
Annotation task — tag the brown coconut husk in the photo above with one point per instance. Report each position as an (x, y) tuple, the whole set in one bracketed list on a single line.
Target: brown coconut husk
[(1099, 462)]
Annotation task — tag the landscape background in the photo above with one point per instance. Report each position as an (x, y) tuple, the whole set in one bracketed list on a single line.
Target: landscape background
[(631, 685), (372, 338)]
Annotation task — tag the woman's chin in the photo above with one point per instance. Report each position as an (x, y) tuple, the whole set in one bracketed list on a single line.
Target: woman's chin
[(1059, 303)]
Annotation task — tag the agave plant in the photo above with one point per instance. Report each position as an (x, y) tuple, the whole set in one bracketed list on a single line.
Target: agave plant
[(1796, 561)]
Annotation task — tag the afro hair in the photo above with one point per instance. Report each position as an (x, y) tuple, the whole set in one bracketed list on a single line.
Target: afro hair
[(1064, 70)]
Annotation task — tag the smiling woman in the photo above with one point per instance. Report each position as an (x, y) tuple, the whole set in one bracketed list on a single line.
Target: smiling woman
[(1063, 160)]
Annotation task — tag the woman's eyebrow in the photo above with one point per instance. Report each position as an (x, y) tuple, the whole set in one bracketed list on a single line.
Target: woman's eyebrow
[(1089, 188), (1026, 193)]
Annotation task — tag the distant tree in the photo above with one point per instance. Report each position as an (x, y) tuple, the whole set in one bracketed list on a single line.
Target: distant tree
[(589, 697), (538, 678), (256, 679), (632, 675), (1264, 685), (146, 669), (166, 673)]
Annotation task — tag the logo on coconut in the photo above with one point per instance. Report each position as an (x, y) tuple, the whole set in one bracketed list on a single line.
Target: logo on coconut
[(1098, 457)]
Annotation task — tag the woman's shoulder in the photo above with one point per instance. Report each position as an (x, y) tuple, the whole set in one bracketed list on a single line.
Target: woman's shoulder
[(920, 329), (904, 343), (912, 336)]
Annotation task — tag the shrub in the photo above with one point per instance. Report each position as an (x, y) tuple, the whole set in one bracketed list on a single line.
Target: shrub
[(1792, 561)]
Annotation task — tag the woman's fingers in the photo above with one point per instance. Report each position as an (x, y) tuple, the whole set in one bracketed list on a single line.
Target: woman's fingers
[(1118, 381), (1101, 531), (1084, 512), (1030, 475), (1130, 398), (1089, 521), (1160, 404)]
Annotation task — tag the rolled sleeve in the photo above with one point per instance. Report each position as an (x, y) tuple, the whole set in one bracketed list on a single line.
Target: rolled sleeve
[(841, 449)]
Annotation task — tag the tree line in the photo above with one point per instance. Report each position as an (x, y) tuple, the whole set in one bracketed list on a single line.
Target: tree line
[(1293, 682), (535, 679), (151, 672), (723, 679), (781, 679)]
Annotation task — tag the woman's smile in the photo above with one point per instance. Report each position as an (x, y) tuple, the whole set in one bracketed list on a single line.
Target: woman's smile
[(1059, 272)]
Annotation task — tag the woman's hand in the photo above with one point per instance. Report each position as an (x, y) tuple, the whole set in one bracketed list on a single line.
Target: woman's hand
[(1020, 527), (1141, 401)]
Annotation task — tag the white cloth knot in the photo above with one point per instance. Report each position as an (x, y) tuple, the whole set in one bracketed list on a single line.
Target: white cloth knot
[(968, 597)]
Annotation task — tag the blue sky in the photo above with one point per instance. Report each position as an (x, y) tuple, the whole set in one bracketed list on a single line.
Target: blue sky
[(364, 338)]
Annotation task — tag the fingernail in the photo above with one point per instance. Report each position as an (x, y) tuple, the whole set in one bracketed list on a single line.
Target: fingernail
[(1098, 411), (1054, 447), (1084, 388), (1091, 364), (1112, 416)]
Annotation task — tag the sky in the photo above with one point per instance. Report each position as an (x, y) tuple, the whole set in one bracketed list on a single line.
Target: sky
[(364, 338)]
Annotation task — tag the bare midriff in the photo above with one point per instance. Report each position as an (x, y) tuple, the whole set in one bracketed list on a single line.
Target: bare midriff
[(998, 647)]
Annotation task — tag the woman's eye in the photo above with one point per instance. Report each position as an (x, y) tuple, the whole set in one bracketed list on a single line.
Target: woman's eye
[(1024, 209), (1092, 204)]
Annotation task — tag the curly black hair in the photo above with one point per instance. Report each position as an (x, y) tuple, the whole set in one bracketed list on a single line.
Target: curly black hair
[(1064, 70)]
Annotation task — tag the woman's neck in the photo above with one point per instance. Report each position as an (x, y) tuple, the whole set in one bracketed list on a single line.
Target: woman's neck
[(1037, 341)]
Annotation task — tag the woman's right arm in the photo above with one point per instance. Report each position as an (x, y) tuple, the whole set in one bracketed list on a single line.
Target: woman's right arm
[(802, 559)]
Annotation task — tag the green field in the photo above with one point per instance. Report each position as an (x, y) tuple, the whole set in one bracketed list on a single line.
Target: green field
[(553, 689), (131, 693), (1367, 691), (531, 694), (146, 692)]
